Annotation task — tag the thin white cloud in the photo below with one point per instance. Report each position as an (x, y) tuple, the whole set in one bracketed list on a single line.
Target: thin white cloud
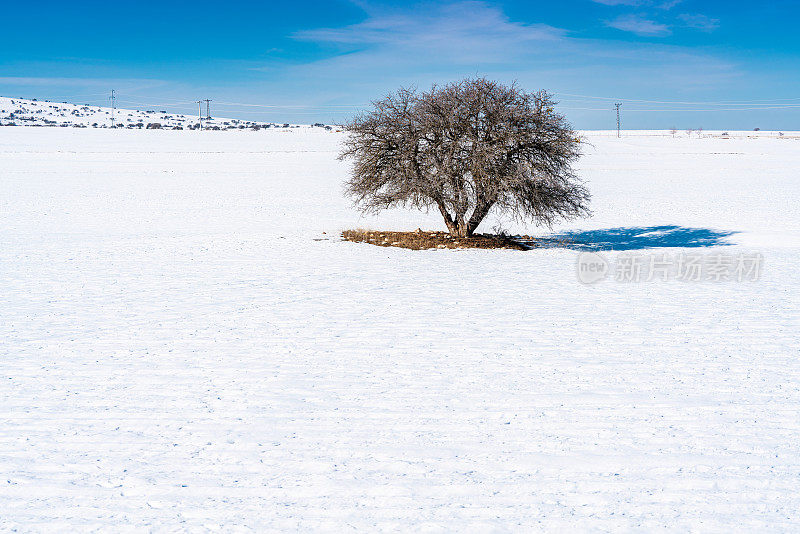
[(639, 26), (619, 2), (461, 32), (669, 4), (699, 22), (60, 81), (63, 83), (420, 45), (660, 4)]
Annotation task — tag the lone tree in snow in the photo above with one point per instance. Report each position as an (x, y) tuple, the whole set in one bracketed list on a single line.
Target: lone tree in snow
[(466, 148)]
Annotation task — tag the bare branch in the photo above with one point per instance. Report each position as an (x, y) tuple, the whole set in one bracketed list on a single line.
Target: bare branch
[(466, 148)]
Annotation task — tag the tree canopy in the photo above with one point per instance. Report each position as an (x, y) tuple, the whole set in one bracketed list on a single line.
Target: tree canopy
[(466, 148)]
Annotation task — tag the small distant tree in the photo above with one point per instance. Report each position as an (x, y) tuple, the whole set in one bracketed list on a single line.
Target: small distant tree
[(466, 148)]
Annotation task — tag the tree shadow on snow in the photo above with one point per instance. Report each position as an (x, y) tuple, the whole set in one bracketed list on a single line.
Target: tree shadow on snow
[(635, 238)]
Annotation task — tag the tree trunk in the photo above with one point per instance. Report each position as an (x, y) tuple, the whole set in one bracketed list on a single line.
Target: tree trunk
[(448, 220), (477, 217), (457, 226)]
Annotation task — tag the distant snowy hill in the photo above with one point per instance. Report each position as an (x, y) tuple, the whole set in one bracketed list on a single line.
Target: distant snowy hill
[(22, 112)]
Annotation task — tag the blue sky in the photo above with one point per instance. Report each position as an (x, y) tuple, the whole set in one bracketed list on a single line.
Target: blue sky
[(681, 63)]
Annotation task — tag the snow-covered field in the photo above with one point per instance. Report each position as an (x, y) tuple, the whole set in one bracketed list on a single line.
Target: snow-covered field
[(187, 344)]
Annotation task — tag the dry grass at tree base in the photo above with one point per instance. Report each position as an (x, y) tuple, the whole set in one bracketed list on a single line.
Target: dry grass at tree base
[(421, 240)]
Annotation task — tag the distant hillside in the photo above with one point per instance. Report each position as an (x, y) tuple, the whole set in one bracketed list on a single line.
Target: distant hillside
[(22, 112)]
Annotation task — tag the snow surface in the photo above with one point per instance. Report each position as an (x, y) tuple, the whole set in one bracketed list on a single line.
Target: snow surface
[(23, 112), (188, 345)]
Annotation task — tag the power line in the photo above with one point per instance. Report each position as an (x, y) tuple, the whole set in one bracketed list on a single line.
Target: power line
[(152, 104), (590, 102), (693, 110), (160, 98), (326, 106), (713, 103)]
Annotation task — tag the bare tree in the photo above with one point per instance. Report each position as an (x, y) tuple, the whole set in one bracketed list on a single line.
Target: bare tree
[(466, 148)]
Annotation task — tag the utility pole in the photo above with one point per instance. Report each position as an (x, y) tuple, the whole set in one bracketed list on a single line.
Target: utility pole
[(618, 123), (113, 99), (200, 110)]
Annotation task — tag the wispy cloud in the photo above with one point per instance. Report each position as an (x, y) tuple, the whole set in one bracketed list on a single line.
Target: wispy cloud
[(619, 2), (76, 82), (660, 4), (700, 22), (639, 26), (669, 4), (416, 46), (462, 32)]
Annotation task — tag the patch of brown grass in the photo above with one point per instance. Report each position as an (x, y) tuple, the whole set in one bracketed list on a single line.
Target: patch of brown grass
[(421, 240)]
